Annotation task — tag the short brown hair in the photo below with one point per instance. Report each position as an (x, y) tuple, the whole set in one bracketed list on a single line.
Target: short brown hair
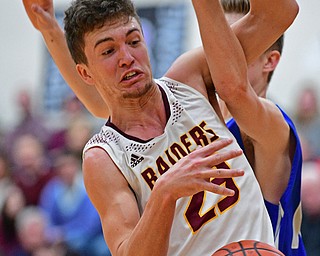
[(84, 16)]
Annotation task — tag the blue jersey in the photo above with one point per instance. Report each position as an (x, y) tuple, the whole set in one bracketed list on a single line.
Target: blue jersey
[(287, 216)]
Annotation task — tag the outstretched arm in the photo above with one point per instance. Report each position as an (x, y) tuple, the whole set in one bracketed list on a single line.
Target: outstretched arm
[(41, 15), (256, 32), (258, 118), (265, 22)]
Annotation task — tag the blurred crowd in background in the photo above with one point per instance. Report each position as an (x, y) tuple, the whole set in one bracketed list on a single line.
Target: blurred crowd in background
[(44, 208), (307, 121)]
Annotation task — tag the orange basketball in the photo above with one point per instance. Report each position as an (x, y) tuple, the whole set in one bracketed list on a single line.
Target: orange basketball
[(248, 248)]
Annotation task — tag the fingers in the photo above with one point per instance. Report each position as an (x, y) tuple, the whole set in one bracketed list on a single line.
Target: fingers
[(38, 11), (220, 190), (194, 172), (35, 8), (220, 157), (221, 173), (210, 156), (209, 174), (214, 146)]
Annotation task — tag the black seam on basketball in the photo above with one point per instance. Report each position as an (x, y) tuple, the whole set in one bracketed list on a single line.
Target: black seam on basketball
[(225, 249), (267, 250), (255, 248), (242, 248)]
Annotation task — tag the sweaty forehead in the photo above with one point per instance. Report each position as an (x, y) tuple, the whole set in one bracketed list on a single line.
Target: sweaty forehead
[(114, 27), (111, 31), (121, 24)]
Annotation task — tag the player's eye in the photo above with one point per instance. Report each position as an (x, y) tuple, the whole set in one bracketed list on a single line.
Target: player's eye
[(134, 42), (108, 51)]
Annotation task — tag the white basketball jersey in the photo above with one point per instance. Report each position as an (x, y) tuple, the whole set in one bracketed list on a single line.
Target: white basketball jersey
[(203, 222)]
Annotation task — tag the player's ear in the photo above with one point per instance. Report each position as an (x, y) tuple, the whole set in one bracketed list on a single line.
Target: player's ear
[(84, 73), (272, 60)]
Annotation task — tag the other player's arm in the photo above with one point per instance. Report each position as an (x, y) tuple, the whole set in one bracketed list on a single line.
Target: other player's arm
[(259, 119), (263, 25), (128, 233), (256, 31), (41, 15)]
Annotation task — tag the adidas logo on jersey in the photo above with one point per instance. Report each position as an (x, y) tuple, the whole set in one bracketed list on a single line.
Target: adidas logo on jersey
[(135, 160)]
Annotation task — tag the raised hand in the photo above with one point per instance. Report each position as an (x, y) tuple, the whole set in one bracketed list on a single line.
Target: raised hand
[(40, 13)]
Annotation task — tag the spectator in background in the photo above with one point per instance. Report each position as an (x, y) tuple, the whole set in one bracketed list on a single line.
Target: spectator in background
[(73, 109), (73, 219), (72, 138), (307, 121), (311, 207), (3, 133), (28, 122), (14, 202), (31, 167), (31, 227), (5, 176)]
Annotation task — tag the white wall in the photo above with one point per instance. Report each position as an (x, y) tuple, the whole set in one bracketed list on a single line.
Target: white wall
[(21, 49), (20, 55), (301, 57)]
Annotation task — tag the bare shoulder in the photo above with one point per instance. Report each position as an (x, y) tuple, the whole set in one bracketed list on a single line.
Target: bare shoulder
[(266, 126), (99, 169), (270, 153), (111, 195), (278, 127)]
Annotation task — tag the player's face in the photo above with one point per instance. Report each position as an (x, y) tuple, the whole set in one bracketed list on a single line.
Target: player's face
[(257, 75), (118, 61)]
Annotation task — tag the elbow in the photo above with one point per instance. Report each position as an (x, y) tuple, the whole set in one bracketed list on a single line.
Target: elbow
[(280, 17), (296, 8), (293, 11), (287, 17), (231, 91)]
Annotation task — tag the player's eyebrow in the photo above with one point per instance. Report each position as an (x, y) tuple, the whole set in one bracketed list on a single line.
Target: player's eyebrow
[(106, 39), (102, 40)]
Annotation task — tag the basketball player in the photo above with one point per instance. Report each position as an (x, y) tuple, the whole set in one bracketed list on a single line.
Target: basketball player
[(167, 215), (275, 150)]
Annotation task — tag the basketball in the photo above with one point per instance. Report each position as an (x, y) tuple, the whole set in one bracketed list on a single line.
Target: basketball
[(248, 248)]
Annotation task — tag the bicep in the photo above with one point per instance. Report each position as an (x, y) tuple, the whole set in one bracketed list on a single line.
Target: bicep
[(263, 25), (112, 197)]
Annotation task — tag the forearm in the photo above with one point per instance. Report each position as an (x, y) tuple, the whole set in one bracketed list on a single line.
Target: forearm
[(263, 25), (222, 49), (58, 49), (152, 233)]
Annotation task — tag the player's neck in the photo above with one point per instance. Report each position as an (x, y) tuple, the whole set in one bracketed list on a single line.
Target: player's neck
[(145, 119)]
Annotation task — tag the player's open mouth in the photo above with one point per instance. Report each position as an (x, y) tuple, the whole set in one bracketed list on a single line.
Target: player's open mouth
[(129, 75)]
